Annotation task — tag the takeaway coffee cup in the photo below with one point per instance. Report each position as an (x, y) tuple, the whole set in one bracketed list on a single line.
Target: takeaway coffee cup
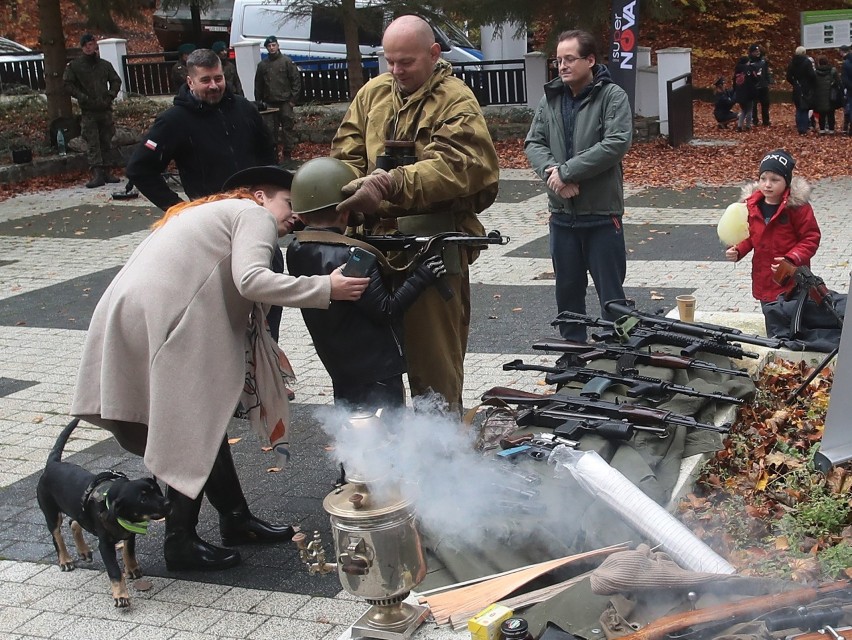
[(686, 308)]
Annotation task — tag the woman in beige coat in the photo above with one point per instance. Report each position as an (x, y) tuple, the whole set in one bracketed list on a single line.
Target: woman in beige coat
[(165, 361)]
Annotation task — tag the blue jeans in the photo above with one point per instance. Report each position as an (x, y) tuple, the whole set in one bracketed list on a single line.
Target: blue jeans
[(579, 247), (803, 121)]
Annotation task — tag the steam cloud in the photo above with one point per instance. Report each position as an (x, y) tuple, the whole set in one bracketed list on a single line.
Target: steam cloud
[(461, 497)]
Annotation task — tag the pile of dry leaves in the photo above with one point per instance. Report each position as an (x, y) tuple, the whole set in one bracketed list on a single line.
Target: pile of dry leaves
[(760, 503)]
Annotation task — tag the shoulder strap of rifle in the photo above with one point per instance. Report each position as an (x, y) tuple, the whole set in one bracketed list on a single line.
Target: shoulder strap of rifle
[(330, 237)]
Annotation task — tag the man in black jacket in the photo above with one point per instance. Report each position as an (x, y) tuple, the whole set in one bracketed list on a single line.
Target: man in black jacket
[(210, 134)]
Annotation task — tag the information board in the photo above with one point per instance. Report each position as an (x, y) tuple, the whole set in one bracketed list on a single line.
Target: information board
[(826, 29)]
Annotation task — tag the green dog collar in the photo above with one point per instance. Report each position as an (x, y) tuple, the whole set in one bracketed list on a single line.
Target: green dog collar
[(133, 527)]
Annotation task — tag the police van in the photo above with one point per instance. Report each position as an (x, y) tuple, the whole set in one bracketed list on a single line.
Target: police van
[(319, 36)]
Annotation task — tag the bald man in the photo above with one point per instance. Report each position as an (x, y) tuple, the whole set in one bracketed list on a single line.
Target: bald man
[(445, 176)]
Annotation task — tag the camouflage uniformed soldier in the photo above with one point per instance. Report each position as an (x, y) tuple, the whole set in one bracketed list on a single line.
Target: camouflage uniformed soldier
[(232, 80), (453, 176), (278, 84), (179, 70), (94, 84)]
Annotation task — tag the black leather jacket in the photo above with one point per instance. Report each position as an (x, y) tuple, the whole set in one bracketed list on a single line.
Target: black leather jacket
[(358, 342)]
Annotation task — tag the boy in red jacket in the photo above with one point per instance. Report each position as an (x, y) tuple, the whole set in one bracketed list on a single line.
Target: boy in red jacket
[(781, 224)]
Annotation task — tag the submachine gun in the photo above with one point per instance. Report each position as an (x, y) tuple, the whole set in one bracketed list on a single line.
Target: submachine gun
[(699, 330), (582, 353), (631, 334), (570, 416), (596, 382), (425, 246)]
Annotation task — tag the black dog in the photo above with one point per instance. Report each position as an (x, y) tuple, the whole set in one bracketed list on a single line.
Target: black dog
[(107, 505)]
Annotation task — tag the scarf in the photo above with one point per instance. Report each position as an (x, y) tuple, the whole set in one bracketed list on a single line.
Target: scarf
[(264, 400)]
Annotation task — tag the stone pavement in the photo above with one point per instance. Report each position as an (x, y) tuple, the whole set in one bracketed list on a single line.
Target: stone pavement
[(59, 250)]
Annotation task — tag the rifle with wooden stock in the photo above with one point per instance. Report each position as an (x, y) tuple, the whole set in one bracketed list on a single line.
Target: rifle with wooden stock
[(583, 413), (740, 611)]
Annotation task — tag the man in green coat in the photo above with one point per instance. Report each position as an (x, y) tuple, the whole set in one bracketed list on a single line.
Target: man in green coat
[(278, 83), (447, 176), (581, 130), (94, 84)]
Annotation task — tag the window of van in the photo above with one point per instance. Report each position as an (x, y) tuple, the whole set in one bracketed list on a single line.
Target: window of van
[(326, 26), (259, 21)]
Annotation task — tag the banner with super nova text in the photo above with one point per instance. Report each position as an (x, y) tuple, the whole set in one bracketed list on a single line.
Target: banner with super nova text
[(623, 46)]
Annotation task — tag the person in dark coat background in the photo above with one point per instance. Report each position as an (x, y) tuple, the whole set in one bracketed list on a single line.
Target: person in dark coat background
[(94, 83), (723, 104), (764, 79), (745, 90), (824, 103), (801, 74), (846, 81)]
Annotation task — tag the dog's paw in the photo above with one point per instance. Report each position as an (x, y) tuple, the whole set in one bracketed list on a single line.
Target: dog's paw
[(86, 556), (122, 602), (66, 566), (133, 574)]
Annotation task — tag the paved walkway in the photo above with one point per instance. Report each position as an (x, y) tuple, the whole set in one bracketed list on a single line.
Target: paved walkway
[(58, 250)]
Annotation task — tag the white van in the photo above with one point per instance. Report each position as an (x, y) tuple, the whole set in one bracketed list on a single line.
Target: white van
[(320, 36)]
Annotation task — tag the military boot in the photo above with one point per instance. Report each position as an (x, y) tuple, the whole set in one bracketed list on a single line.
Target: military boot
[(111, 179), (183, 549), (237, 524), (98, 178)]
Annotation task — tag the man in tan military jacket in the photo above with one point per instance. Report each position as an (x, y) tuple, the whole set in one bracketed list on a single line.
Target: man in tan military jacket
[(451, 174)]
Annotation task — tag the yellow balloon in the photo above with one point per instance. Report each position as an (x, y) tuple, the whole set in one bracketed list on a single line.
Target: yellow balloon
[(733, 225)]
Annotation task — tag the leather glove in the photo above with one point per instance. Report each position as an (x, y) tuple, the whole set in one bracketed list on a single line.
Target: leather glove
[(368, 193), (436, 265)]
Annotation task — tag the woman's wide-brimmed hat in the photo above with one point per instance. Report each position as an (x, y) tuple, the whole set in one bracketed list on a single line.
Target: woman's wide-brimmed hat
[(256, 176)]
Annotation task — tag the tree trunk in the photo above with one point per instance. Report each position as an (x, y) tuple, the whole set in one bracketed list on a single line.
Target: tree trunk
[(53, 46), (353, 51), (195, 16)]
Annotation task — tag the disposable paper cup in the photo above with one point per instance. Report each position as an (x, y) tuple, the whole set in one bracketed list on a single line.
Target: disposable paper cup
[(686, 308)]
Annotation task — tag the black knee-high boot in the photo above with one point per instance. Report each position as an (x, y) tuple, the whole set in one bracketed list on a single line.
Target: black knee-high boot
[(183, 549), (236, 523)]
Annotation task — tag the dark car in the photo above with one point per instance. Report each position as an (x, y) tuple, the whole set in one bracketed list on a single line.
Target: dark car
[(173, 27)]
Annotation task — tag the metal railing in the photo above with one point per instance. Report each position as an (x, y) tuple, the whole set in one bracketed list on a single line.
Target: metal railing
[(149, 74), (494, 82), (325, 82), (28, 73)]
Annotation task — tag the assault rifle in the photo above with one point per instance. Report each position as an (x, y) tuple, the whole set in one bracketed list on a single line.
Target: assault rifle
[(558, 409), (703, 331), (638, 336), (584, 353), (742, 610), (596, 382)]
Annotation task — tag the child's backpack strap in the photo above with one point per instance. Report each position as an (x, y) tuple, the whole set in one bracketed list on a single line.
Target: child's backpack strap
[(318, 236)]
